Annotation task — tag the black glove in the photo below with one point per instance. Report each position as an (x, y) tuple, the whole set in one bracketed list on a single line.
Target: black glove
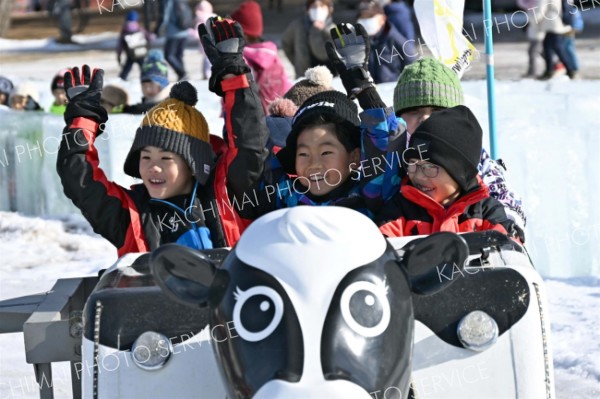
[(84, 94), (223, 42), (349, 54)]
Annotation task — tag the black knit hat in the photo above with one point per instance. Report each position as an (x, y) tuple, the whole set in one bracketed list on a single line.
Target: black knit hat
[(450, 138), (175, 125), (333, 107)]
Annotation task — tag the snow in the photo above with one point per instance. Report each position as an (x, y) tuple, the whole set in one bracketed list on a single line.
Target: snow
[(548, 138)]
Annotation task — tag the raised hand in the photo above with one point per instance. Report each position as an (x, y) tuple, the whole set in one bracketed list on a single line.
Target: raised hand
[(349, 54), (223, 42), (84, 89)]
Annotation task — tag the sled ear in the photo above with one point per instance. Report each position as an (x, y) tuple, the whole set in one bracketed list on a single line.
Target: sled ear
[(425, 260), (183, 273)]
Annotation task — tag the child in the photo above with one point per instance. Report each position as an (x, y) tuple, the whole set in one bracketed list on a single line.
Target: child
[(261, 55), (204, 10), (25, 97), (428, 86), (155, 83), (323, 149), (133, 40), (57, 86), (178, 198), (6, 87), (442, 191)]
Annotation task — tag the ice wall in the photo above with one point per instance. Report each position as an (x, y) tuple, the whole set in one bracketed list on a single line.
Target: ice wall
[(548, 134)]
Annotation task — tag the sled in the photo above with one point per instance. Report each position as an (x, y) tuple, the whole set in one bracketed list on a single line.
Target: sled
[(125, 302)]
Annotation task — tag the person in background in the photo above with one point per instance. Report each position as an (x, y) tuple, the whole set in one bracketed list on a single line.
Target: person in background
[(204, 10), (134, 42), (154, 81), (261, 56), (25, 97), (6, 87), (572, 17), (304, 40), (555, 40), (399, 14), (59, 105), (534, 36), (177, 18), (390, 50), (61, 11)]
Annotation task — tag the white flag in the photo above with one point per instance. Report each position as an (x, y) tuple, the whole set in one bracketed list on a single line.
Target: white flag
[(441, 24)]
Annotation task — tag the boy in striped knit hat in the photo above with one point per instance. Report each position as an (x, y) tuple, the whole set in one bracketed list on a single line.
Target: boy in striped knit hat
[(181, 198)]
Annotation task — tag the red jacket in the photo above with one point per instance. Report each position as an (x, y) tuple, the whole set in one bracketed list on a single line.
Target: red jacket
[(412, 212)]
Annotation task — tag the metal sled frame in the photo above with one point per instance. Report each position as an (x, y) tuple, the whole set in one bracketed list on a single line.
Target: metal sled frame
[(52, 326)]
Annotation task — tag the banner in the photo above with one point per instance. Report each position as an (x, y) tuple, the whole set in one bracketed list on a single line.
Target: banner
[(441, 23)]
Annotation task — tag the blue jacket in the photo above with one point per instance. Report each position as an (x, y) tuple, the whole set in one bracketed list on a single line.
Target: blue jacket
[(400, 15), (390, 53)]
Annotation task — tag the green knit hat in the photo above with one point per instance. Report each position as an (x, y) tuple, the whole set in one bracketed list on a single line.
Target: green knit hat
[(427, 83)]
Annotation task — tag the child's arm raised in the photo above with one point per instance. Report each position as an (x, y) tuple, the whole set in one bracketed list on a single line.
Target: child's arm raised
[(245, 127), (381, 130), (106, 205)]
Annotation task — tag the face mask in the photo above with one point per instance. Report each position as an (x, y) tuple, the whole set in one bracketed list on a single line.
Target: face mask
[(371, 25), (318, 14)]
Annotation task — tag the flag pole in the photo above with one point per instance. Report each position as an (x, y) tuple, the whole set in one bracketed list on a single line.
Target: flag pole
[(491, 89)]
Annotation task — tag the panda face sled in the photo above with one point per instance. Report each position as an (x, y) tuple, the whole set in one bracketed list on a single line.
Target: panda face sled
[(311, 303), (319, 300)]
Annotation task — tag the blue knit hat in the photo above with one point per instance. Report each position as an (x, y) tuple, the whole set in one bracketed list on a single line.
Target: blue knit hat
[(132, 16), (155, 69)]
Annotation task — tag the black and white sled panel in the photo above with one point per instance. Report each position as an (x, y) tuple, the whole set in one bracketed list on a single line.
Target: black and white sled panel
[(501, 282), (125, 305)]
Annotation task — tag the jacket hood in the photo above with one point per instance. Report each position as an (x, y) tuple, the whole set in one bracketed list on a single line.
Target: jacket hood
[(261, 54)]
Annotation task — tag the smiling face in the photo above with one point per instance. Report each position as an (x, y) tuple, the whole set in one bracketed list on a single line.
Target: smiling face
[(442, 188), (322, 159), (415, 116), (165, 174)]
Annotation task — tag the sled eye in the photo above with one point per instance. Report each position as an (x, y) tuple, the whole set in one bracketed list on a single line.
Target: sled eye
[(365, 308), (257, 312)]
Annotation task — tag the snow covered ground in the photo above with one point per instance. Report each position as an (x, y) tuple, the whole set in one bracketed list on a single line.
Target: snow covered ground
[(550, 141)]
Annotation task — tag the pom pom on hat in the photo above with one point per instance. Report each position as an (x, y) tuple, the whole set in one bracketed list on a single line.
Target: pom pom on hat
[(283, 107), (184, 91), (316, 80)]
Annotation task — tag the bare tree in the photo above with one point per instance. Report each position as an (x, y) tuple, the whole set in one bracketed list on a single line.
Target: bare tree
[(5, 11)]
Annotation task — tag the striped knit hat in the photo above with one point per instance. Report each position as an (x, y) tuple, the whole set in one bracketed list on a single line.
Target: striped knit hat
[(427, 83), (175, 125)]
